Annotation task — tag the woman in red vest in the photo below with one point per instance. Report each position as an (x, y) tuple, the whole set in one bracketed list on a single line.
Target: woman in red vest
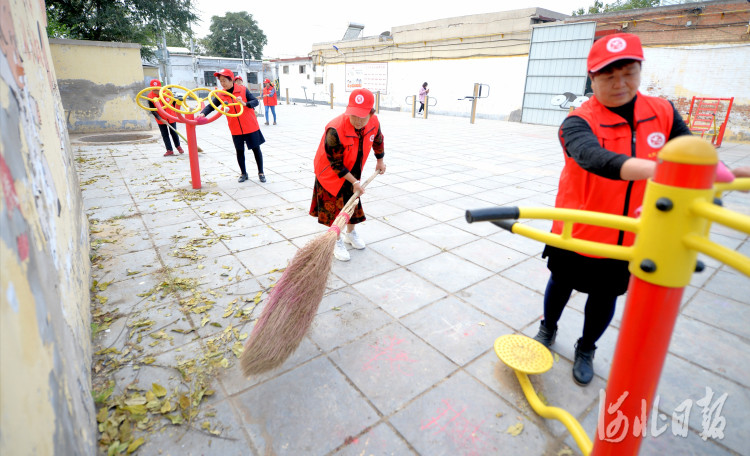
[(270, 99), (163, 125), (609, 145), (342, 153), (244, 128)]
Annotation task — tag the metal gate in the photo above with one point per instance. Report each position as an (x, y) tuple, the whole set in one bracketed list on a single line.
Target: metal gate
[(556, 74)]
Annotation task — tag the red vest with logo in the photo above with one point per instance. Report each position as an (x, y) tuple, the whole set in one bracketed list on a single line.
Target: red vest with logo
[(580, 189), (247, 122), (350, 140), (270, 100)]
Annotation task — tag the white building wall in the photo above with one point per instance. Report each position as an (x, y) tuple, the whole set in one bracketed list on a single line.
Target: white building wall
[(679, 73), (294, 80), (448, 80)]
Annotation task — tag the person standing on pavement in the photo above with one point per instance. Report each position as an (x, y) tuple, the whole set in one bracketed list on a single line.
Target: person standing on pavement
[(339, 160), (270, 99), (163, 124), (609, 146), (422, 92), (244, 128)]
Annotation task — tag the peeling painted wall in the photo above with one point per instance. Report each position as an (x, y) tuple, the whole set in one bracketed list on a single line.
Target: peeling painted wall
[(46, 406), (98, 82)]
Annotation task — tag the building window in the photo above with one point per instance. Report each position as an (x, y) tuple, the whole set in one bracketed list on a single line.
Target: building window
[(286, 69), (252, 77), (301, 69), (208, 78)]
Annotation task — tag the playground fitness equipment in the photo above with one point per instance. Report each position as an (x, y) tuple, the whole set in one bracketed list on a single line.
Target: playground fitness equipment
[(182, 112), (678, 209)]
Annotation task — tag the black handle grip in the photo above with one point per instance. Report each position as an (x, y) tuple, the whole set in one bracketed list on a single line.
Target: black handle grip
[(492, 213)]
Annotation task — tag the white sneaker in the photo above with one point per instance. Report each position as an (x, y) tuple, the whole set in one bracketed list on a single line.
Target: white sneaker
[(353, 239), (340, 252)]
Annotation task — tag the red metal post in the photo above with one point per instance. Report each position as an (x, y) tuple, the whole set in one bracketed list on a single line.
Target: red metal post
[(195, 171), (650, 314)]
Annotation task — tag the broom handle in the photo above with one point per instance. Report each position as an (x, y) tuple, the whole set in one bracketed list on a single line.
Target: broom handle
[(353, 200), (349, 206)]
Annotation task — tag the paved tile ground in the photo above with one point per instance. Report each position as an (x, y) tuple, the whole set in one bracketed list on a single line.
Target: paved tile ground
[(399, 359)]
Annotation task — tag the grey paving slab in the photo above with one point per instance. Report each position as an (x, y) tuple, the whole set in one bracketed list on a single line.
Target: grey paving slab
[(325, 413), (461, 416), (381, 440), (364, 265), (507, 301), (405, 249), (691, 339), (391, 366), (423, 266), (455, 328), (344, 316)]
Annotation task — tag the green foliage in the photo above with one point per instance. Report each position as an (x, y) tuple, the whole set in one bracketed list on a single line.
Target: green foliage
[(618, 5), (128, 21), (225, 32)]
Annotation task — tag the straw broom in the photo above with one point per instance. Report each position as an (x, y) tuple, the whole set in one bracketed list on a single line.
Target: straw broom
[(294, 300), (181, 136)]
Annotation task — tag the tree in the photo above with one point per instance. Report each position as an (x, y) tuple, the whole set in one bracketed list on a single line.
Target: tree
[(131, 21), (225, 32), (618, 5)]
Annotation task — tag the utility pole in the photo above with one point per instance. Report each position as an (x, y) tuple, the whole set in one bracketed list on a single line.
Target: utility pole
[(165, 55), (244, 68)]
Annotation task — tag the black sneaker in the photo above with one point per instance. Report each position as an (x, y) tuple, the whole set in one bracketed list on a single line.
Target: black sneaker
[(545, 336), (583, 366), (242, 178), (262, 177)]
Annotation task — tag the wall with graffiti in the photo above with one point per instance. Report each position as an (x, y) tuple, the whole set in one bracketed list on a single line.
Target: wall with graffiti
[(96, 97), (45, 343)]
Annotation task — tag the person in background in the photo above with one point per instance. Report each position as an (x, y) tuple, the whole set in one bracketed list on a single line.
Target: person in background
[(244, 128), (163, 124), (339, 160), (422, 92), (270, 99), (609, 146)]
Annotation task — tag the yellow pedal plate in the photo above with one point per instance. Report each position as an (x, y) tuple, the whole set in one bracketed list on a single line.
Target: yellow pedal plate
[(523, 354)]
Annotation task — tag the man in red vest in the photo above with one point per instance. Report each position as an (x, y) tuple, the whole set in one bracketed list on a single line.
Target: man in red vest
[(609, 146), (270, 99), (341, 156), (244, 128)]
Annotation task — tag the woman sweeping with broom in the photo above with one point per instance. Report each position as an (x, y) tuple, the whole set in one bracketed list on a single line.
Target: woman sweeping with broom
[(341, 155), (293, 302)]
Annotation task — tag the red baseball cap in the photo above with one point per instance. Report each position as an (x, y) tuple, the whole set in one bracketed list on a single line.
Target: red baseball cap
[(238, 78), (612, 48), (360, 103), (266, 81), (155, 83), (225, 72)]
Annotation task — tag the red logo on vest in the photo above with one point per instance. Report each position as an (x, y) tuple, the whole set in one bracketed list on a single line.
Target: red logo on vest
[(656, 140)]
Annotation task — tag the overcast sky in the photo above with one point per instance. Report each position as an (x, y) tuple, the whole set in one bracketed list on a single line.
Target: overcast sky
[(291, 26)]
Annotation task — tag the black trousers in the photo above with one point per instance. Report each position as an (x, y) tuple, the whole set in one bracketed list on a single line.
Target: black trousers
[(239, 146), (421, 106), (166, 131), (600, 308)]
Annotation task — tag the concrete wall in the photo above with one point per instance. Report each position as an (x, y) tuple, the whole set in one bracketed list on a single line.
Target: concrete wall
[(678, 73), (98, 83), (448, 80), (450, 54), (294, 80), (46, 406)]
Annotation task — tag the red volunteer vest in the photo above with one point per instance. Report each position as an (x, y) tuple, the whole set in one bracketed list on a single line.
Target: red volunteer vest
[(247, 122), (580, 189), (349, 139), (155, 94), (268, 100)]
